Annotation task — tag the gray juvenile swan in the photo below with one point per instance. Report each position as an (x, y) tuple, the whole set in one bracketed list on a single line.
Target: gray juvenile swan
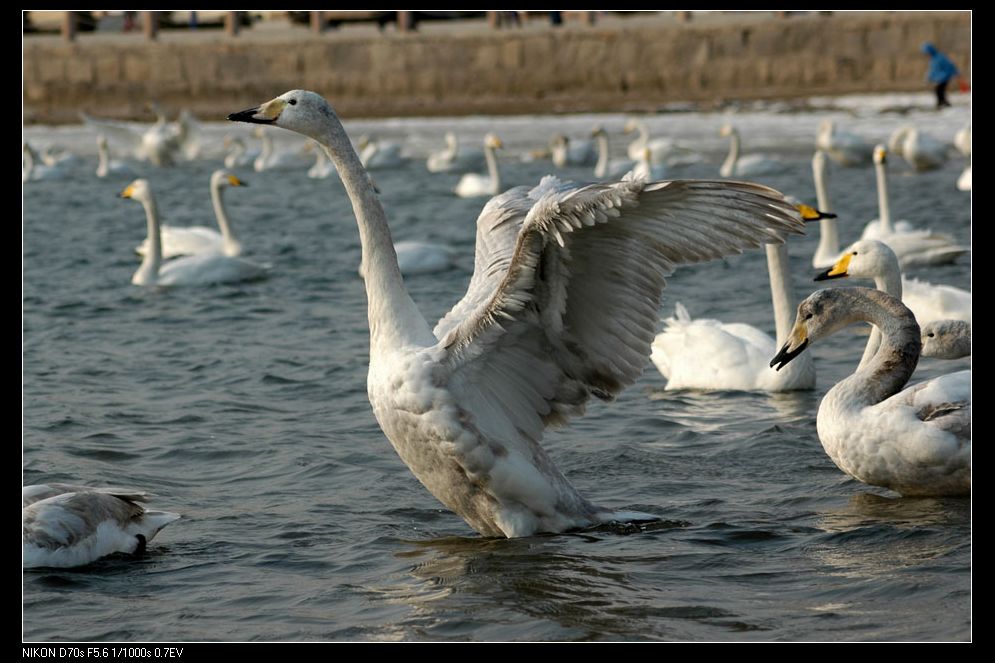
[(915, 441), (946, 339), (562, 306)]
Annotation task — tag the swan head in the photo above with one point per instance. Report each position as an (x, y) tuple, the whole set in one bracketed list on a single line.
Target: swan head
[(138, 190), (880, 154), (826, 127), (301, 111), (867, 258), (818, 316), (598, 131), (102, 141), (630, 126), (493, 142), (898, 137), (726, 130), (946, 339), (223, 178), (559, 140)]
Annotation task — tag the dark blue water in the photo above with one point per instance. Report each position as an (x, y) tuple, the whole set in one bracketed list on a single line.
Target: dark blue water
[(244, 408)]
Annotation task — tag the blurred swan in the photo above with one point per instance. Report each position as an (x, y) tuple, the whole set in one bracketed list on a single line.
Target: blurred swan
[(920, 150), (828, 251), (454, 157), (201, 269), (872, 259), (33, 169), (472, 185), (188, 133), (566, 152), (913, 247), (193, 240), (844, 148), (238, 156), (269, 158), (709, 354), (607, 167), (57, 155), (915, 441), (962, 141), (662, 150), (540, 329), (414, 258), (376, 154), (105, 164), (158, 143), (646, 171), (748, 166), (946, 339), (65, 526), (322, 167)]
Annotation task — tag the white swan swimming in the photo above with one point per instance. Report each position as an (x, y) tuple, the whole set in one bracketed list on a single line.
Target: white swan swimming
[(844, 148), (376, 154), (541, 328), (238, 155), (913, 247), (64, 526), (34, 170), (202, 269), (748, 166), (188, 133), (645, 170), (869, 258), (566, 152), (962, 141), (269, 158), (828, 251), (472, 185), (606, 167), (158, 143), (920, 150), (193, 240), (106, 165), (915, 441), (454, 157), (709, 354), (946, 339), (662, 150)]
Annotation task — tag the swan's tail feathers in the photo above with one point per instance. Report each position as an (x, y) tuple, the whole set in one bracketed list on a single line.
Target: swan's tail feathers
[(156, 520)]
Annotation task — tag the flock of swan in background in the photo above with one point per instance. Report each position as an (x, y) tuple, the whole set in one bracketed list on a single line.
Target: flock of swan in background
[(541, 330)]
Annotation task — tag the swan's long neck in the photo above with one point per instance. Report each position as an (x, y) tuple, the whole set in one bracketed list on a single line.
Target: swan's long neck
[(492, 169), (729, 165), (452, 144), (221, 214), (644, 135), (891, 366), (393, 317), (149, 269), (829, 237), (103, 158), (601, 168), (890, 282), (781, 293), (28, 156), (884, 212), (236, 152), (266, 152)]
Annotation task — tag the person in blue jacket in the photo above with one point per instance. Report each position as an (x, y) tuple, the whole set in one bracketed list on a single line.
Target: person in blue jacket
[(941, 71)]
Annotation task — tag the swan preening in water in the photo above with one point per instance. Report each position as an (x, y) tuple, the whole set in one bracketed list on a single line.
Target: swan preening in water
[(920, 150), (65, 526), (915, 441), (454, 157), (201, 269), (606, 166), (193, 240), (748, 166), (562, 306), (472, 185), (913, 247), (946, 339), (566, 152), (844, 148)]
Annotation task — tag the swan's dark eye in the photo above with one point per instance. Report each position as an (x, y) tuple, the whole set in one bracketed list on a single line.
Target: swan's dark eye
[(854, 253), (292, 102), (931, 334), (808, 316)]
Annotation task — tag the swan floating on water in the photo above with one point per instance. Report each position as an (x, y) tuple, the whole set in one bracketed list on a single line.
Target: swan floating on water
[(607, 167), (376, 154), (844, 148), (454, 157), (920, 150), (106, 165), (34, 170), (914, 248), (915, 441), (193, 240), (662, 150), (65, 526), (238, 155), (472, 185), (946, 339), (748, 166), (201, 269), (566, 152), (562, 306), (269, 159)]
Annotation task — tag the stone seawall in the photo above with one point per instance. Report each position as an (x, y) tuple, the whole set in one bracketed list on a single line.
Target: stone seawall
[(635, 65)]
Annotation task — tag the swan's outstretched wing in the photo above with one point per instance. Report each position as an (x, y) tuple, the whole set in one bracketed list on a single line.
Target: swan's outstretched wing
[(577, 297), (124, 136)]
